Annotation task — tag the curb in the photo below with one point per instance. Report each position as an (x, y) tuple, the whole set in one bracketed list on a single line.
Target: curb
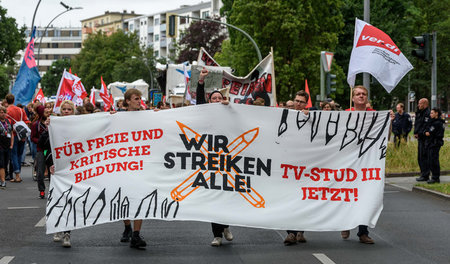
[(409, 174), (431, 192)]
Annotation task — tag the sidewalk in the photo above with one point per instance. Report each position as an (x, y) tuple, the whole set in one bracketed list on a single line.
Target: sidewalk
[(407, 183)]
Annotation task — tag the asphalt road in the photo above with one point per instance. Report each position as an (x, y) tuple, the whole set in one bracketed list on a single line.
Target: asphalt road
[(413, 228)]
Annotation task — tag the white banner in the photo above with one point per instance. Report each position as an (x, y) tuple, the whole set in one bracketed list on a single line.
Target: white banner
[(258, 167), (375, 52)]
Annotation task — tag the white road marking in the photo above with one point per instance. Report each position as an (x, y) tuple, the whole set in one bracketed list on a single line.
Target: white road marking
[(323, 258), (23, 207), (391, 191), (6, 259), (401, 187), (41, 222)]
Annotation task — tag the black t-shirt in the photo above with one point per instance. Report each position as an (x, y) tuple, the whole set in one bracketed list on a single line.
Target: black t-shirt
[(5, 134)]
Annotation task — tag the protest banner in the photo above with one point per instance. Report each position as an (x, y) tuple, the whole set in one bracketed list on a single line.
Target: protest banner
[(258, 167), (375, 52)]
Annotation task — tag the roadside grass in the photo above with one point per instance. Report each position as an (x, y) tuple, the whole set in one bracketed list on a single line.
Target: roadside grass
[(404, 158), (440, 187)]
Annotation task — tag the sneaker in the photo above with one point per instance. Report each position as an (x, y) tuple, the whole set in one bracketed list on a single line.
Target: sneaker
[(42, 195), (66, 240), (137, 242), (365, 239), (345, 234), (290, 239), (3, 184), (126, 235), (300, 238), (57, 237), (227, 234), (217, 241)]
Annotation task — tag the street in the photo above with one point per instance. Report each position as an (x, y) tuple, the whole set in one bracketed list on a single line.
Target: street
[(413, 228)]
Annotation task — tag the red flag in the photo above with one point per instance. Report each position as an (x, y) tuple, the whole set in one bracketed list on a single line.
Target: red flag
[(40, 97), (143, 104), (309, 97), (92, 96), (70, 88), (104, 94)]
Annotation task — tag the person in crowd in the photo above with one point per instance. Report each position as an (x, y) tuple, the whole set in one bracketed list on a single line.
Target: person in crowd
[(67, 108), (282, 104), (119, 105), (360, 102), (420, 125), (259, 101), (290, 104), (81, 110), (435, 135), (326, 106), (300, 102), (402, 125), (38, 127), (219, 230), (6, 144), (89, 107), (132, 101), (14, 115)]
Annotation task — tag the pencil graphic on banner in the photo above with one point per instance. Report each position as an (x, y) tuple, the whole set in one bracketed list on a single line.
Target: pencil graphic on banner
[(184, 189)]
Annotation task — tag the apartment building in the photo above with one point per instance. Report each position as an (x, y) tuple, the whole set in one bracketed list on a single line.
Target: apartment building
[(53, 44), (108, 23), (152, 29)]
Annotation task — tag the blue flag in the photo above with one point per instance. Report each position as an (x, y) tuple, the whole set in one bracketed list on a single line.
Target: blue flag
[(28, 76)]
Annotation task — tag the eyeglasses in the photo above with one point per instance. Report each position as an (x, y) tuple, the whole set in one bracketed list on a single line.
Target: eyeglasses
[(299, 102)]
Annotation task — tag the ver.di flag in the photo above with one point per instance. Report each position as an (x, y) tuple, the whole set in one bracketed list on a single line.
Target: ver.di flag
[(375, 52), (28, 76), (70, 88)]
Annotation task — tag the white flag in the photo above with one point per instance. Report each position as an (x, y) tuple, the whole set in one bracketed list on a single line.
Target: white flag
[(375, 52)]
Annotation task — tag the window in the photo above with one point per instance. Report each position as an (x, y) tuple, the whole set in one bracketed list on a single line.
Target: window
[(142, 23), (77, 45), (182, 20), (76, 33), (131, 27), (145, 22), (205, 14), (65, 33), (102, 21), (56, 57), (156, 21), (54, 45), (157, 53), (156, 37)]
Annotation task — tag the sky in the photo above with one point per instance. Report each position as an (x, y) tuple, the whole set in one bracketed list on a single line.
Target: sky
[(23, 10)]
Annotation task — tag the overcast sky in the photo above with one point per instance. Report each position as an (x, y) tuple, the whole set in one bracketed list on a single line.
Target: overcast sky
[(22, 10)]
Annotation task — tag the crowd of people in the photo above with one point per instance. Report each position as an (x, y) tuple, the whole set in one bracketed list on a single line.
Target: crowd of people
[(428, 129)]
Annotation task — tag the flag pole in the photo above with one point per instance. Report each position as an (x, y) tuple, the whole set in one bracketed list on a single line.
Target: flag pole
[(274, 87), (351, 91)]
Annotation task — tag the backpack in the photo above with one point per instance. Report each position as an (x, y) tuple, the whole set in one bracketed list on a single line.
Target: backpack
[(21, 128)]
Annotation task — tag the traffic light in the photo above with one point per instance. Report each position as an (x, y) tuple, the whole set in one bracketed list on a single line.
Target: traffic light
[(172, 28), (423, 52), (331, 83)]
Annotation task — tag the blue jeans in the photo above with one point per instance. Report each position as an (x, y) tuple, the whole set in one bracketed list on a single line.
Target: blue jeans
[(33, 150), (16, 154)]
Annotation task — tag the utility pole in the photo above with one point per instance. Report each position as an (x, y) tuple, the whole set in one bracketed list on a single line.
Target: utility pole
[(433, 72)]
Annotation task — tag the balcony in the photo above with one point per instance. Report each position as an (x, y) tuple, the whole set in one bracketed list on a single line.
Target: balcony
[(162, 27), (150, 30), (163, 43)]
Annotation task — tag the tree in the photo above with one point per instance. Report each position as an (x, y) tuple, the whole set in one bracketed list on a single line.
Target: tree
[(297, 31), (206, 34), (51, 79), (12, 39), (117, 57)]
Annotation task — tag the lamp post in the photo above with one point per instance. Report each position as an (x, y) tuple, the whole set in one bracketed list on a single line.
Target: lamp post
[(45, 30)]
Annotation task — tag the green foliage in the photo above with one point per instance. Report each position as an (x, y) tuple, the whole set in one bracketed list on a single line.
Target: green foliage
[(4, 81), (297, 31), (206, 34), (440, 187), (51, 79), (12, 39), (117, 57)]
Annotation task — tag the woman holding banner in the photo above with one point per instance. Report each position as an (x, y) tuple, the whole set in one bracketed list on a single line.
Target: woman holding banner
[(214, 97)]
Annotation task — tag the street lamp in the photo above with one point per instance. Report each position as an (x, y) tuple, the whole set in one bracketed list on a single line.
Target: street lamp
[(45, 30)]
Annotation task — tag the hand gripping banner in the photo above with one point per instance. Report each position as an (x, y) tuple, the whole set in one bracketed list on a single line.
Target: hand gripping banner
[(232, 164)]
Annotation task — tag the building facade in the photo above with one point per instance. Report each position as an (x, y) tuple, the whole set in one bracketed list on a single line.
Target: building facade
[(108, 23), (152, 29), (53, 44)]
